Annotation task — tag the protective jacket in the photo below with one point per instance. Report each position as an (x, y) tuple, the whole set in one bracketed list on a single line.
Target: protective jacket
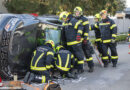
[(42, 59), (85, 24), (97, 31), (65, 60), (72, 28), (108, 30)]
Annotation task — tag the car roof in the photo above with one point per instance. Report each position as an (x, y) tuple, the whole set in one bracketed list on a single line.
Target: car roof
[(52, 20), (30, 19), (26, 18)]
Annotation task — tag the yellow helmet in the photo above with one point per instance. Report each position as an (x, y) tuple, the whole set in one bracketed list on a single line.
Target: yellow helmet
[(63, 15), (50, 42), (59, 47), (97, 16), (103, 12), (79, 9)]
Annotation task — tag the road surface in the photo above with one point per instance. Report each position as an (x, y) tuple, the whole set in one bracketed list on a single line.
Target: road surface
[(105, 78), (102, 78)]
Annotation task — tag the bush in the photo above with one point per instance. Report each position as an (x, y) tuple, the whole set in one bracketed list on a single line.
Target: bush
[(119, 38)]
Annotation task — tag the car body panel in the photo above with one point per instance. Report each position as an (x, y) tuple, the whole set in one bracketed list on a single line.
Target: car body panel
[(19, 35)]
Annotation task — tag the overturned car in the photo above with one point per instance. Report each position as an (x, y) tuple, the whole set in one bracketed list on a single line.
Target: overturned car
[(20, 34)]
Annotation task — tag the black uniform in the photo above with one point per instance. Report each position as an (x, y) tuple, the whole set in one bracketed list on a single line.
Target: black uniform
[(98, 40), (65, 61), (41, 63), (63, 37), (73, 28), (86, 46), (108, 31)]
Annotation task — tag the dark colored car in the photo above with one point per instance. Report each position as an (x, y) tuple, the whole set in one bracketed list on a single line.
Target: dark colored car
[(20, 34)]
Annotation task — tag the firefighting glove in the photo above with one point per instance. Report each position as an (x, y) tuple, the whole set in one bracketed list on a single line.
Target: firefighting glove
[(84, 41), (78, 38), (113, 40)]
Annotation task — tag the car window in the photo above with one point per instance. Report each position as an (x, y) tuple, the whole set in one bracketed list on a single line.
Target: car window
[(19, 25), (54, 35)]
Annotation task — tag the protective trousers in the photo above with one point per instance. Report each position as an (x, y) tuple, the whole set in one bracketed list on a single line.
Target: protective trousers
[(78, 53), (114, 55), (88, 55), (99, 46)]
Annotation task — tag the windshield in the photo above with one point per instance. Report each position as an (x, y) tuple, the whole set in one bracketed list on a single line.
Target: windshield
[(54, 35)]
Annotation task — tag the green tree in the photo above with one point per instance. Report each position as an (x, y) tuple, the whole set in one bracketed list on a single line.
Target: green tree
[(90, 7), (22, 6)]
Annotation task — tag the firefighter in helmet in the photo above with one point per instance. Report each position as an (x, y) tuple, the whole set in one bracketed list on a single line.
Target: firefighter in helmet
[(41, 64), (73, 32), (78, 13), (98, 41), (65, 62), (108, 31)]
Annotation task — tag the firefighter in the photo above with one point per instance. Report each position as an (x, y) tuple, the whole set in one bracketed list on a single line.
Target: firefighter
[(129, 35), (65, 62), (108, 31), (78, 13), (98, 40), (64, 42), (41, 64), (73, 33)]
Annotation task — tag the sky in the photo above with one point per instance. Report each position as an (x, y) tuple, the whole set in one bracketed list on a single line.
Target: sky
[(127, 3)]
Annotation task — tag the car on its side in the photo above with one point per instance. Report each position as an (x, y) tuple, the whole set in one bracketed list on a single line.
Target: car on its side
[(20, 34)]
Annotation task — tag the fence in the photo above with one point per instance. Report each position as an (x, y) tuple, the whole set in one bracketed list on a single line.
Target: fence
[(122, 25)]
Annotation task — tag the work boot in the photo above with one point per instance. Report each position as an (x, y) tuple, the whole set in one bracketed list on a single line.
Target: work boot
[(106, 64), (114, 64), (91, 69), (80, 71), (26, 77), (31, 78)]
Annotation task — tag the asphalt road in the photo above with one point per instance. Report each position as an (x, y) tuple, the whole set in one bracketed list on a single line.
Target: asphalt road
[(105, 78), (102, 78)]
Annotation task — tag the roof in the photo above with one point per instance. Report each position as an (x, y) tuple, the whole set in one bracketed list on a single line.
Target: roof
[(127, 10)]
